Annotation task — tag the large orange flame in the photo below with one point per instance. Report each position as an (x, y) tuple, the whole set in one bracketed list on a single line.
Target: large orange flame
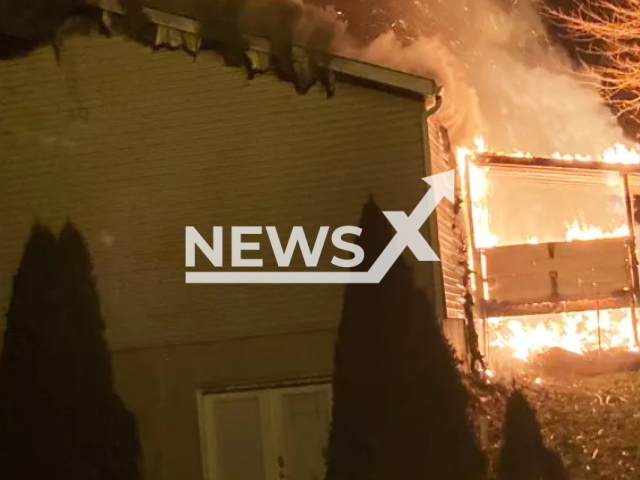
[(579, 332)]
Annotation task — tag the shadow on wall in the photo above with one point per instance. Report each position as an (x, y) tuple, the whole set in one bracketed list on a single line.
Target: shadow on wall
[(60, 417), (400, 408)]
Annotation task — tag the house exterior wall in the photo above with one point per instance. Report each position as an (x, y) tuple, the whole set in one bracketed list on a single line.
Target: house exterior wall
[(450, 235), (133, 145)]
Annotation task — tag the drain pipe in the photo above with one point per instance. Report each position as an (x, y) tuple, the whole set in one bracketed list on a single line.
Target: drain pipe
[(436, 106)]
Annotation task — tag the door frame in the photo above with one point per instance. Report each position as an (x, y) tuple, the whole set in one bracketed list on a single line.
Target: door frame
[(261, 390)]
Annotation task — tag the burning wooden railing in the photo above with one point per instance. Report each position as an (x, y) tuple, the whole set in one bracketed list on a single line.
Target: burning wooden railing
[(580, 292)]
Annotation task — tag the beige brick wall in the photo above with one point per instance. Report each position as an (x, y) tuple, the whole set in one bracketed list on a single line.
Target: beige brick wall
[(133, 146)]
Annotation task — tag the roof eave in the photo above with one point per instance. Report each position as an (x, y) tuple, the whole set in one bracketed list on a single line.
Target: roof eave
[(347, 66)]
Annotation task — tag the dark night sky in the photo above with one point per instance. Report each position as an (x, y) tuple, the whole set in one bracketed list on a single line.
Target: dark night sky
[(368, 19)]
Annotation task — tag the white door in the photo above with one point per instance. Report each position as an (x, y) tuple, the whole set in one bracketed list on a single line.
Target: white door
[(270, 434), (305, 417)]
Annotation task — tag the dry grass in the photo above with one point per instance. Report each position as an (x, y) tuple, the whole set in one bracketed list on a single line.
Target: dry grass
[(593, 422)]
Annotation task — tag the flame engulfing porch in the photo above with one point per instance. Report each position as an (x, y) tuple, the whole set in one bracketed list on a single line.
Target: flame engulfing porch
[(552, 251)]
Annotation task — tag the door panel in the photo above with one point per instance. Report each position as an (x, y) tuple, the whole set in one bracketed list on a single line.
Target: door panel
[(238, 434), (269, 434), (306, 422)]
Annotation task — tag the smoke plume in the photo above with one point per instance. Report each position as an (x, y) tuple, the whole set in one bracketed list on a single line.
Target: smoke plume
[(509, 83), (502, 77)]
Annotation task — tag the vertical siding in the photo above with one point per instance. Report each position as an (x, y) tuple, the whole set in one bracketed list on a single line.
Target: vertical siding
[(450, 242), (450, 228)]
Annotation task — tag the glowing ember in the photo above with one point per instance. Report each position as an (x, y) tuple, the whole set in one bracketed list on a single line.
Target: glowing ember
[(578, 332), (483, 269), (581, 231), (480, 186), (480, 144), (571, 158), (619, 154)]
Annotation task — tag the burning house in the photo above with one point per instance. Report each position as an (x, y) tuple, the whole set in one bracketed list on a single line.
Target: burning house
[(552, 248), (234, 381)]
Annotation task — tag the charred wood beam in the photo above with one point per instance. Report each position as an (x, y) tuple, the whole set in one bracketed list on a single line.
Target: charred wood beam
[(511, 309), (489, 159)]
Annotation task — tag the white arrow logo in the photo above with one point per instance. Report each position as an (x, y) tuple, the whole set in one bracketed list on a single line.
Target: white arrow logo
[(407, 236)]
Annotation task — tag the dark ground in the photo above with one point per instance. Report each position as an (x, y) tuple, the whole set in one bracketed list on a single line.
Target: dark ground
[(592, 421)]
